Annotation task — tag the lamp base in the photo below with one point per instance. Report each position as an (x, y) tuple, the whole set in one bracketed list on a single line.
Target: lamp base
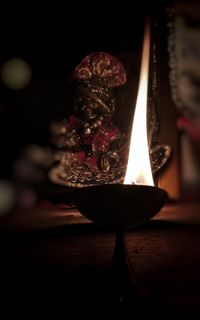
[(120, 207), (123, 276)]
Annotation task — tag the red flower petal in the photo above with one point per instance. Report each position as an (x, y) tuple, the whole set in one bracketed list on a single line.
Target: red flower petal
[(81, 156), (92, 162)]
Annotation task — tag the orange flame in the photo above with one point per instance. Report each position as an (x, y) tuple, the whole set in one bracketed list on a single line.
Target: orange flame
[(139, 167)]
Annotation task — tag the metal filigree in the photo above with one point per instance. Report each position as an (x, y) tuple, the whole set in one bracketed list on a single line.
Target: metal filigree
[(94, 150)]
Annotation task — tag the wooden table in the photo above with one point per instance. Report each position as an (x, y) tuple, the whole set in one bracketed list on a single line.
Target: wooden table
[(54, 260)]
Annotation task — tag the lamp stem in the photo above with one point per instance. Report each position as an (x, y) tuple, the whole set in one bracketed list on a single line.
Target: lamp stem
[(125, 282)]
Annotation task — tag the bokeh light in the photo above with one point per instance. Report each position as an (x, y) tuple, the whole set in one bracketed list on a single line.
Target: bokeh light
[(16, 73), (26, 198), (7, 196)]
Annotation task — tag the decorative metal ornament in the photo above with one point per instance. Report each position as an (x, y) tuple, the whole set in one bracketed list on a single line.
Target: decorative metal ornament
[(159, 153), (94, 150)]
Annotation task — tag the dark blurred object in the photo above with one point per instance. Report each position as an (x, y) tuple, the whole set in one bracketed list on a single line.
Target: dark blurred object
[(31, 165), (184, 62), (31, 180)]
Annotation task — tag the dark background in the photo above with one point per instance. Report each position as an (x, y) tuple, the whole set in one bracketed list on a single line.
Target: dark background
[(53, 44)]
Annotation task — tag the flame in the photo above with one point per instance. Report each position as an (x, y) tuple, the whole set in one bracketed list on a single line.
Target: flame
[(139, 167)]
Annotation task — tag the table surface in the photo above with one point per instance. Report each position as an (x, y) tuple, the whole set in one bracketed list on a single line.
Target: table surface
[(53, 259)]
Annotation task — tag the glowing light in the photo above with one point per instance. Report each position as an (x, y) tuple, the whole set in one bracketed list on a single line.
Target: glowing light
[(7, 196), (139, 167), (16, 73)]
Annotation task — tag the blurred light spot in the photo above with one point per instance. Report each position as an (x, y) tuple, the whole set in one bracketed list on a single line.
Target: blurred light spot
[(16, 73), (39, 155), (25, 171), (26, 198), (7, 196)]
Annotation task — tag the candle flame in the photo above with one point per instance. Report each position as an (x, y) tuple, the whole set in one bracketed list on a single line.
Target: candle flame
[(139, 167)]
